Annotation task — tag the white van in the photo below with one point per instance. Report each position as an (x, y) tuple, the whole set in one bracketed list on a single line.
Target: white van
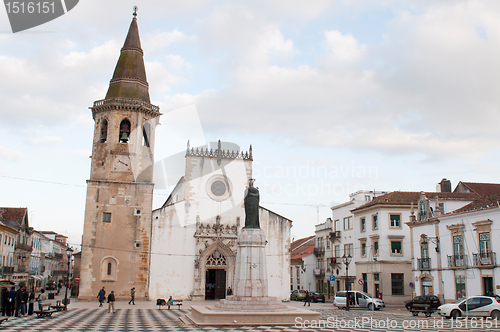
[(358, 300)]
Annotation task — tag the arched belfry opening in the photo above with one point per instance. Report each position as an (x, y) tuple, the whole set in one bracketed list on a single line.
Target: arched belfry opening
[(146, 133), (124, 131), (103, 132)]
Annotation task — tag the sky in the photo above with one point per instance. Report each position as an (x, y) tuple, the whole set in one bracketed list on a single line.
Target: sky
[(334, 97)]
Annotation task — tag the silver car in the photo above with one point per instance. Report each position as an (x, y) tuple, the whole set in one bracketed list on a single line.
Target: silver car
[(474, 306), (358, 300)]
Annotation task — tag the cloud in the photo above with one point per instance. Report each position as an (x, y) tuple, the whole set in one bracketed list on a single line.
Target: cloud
[(47, 140), (343, 48), (9, 154)]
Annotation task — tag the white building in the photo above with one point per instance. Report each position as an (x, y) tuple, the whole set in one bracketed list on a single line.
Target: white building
[(8, 237), (454, 253), (194, 234), (334, 238), (36, 261), (303, 264)]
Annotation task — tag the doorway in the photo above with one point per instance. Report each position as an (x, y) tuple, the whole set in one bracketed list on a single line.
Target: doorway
[(376, 290), (488, 286), (215, 284)]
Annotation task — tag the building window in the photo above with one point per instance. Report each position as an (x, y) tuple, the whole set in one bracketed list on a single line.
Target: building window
[(460, 287), (348, 249), (375, 248), (484, 244), (458, 245), (396, 248), (363, 224), (337, 226), (363, 249), (397, 282), (375, 221), (106, 217), (328, 242), (109, 267), (368, 198), (376, 277), (347, 223), (424, 249), (124, 131), (395, 220), (337, 251)]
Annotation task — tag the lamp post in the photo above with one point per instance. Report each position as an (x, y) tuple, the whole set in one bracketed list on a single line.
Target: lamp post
[(346, 260), (68, 252)]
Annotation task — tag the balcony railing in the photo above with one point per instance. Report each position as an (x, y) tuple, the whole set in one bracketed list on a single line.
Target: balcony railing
[(22, 246), (7, 269), (21, 268), (458, 261), (319, 251), (484, 258), (319, 272), (424, 263), (59, 272), (58, 256)]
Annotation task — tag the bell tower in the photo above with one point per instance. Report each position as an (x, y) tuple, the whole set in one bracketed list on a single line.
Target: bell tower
[(117, 225)]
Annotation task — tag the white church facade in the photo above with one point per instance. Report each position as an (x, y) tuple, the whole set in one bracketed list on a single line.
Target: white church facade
[(195, 232)]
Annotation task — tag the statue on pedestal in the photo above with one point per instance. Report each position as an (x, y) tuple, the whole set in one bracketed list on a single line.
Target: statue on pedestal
[(252, 206)]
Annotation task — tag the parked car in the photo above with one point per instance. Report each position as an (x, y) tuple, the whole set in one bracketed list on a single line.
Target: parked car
[(473, 306), (425, 303), (358, 300), (298, 295), (317, 297)]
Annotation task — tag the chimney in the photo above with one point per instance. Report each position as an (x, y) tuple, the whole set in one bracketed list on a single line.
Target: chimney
[(445, 186)]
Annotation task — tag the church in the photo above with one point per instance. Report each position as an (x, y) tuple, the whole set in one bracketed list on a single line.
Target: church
[(186, 248)]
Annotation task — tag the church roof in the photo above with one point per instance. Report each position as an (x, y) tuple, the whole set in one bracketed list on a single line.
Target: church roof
[(129, 79)]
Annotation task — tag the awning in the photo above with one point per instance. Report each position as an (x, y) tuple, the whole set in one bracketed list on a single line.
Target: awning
[(37, 277)]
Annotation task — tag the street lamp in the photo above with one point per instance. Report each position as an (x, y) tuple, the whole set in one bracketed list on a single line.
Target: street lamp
[(68, 252), (346, 260)]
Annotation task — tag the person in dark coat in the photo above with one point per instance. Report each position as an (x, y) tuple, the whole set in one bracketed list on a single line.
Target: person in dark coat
[(31, 301), (24, 301), (11, 298), (111, 301), (5, 301), (101, 296), (307, 299)]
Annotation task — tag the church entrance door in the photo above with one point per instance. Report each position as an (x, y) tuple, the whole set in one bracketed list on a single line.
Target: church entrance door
[(215, 284)]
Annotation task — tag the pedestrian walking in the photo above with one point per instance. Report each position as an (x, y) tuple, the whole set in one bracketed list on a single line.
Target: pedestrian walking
[(111, 301), (132, 296), (307, 299), (101, 296)]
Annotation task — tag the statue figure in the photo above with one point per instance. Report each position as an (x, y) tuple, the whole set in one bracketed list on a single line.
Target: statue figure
[(252, 206)]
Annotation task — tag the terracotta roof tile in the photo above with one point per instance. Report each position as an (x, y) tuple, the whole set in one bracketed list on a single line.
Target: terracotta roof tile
[(408, 197), (482, 189), (487, 202), (303, 247), (13, 214)]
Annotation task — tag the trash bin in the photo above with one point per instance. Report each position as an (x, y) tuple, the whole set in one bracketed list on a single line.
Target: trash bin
[(51, 296)]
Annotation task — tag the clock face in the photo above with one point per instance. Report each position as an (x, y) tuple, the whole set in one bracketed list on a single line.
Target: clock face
[(121, 164)]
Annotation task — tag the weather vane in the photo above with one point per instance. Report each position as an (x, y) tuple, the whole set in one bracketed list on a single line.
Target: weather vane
[(135, 10)]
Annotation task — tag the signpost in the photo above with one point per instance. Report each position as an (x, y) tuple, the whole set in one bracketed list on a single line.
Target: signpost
[(77, 279), (332, 278), (361, 281)]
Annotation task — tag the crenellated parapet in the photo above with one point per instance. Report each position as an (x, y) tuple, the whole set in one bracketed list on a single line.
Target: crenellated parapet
[(219, 153)]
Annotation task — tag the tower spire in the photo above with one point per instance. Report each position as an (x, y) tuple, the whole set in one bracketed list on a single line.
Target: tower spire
[(129, 79)]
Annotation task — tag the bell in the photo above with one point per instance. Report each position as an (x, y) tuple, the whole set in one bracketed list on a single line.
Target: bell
[(124, 137)]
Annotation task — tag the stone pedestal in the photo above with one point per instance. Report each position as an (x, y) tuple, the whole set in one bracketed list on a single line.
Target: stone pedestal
[(250, 304)]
